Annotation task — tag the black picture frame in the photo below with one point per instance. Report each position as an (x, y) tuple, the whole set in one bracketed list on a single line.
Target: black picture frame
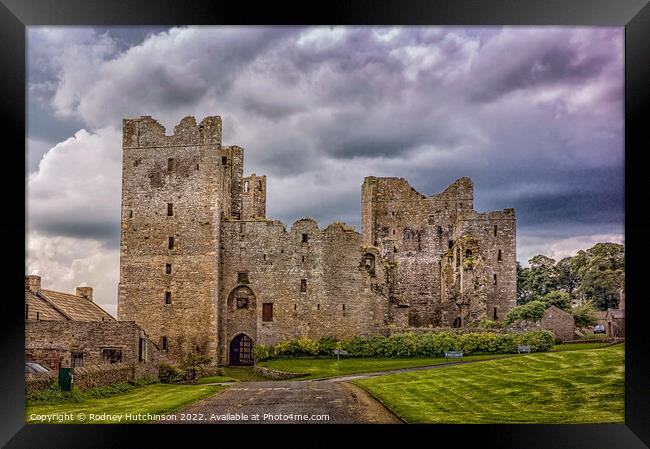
[(634, 15)]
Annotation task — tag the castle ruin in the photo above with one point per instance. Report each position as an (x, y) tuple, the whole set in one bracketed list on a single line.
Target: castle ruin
[(203, 270)]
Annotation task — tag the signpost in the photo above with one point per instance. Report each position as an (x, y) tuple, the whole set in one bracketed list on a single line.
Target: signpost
[(339, 353)]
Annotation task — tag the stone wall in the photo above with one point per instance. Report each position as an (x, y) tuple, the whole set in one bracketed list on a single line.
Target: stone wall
[(53, 343), (559, 322), (262, 263)]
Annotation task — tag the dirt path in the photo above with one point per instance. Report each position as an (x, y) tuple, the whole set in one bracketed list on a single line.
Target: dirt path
[(287, 402)]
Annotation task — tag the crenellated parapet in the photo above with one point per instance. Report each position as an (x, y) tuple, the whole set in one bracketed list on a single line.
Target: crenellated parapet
[(147, 132)]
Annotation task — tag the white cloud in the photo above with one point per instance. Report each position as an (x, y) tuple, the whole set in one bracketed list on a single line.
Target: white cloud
[(562, 247)]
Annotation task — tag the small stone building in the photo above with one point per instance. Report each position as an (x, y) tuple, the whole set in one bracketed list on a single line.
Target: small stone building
[(66, 330), (560, 322), (615, 323)]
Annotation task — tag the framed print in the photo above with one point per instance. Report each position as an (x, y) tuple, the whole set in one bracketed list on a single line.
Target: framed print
[(377, 216)]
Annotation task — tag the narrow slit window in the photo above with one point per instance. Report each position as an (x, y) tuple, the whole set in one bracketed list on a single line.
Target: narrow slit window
[(170, 209), (168, 268), (303, 285), (450, 244), (494, 313), (468, 253), (495, 279), (295, 307), (168, 297), (130, 214), (303, 258), (224, 160), (245, 186), (499, 256), (305, 238), (344, 307), (197, 166), (170, 164), (170, 243), (259, 185), (495, 230), (317, 306), (264, 257), (165, 343)]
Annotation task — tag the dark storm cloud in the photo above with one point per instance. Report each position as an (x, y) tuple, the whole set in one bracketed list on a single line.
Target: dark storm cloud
[(532, 115)]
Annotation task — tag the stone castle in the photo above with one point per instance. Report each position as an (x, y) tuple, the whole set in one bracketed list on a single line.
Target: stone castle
[(203, 270)]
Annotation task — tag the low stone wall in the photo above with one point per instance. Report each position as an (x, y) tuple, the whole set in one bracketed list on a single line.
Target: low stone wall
[(274, 374), (38, 382)]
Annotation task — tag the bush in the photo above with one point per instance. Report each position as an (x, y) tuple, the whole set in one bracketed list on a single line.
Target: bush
[(413, 345), (194, 360), (54, 395), (531, 311), (169, 373), (558, 299), (262, 352), (326, 346), (585, 314)]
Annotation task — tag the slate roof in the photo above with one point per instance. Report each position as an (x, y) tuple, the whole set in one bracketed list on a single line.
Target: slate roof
[(53, 305)]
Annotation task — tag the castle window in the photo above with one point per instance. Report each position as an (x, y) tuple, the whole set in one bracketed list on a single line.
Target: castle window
[(170, 243), (224, 160), (393, 232), (168, 297), (142, 350), (130, 214), (317, 306), (259, 185), (305, 238), (295, 307), (303, 285), (168, 268), (170, 209), (112, 355), (468, 253), (26, 311), (242, 277), (431, 220), (165, 343), (439, 230), (170, 164), (197, 166), (394, 249), (303, 258), (77, 359), (264, 257), (494, 279), (343, 307), (267, 311), (450, 243), (499, 256), (136, 162), (494, 313), (369, 262), (242, 228), (242, 302), (38, 317), (495, 230), (457, 322), (245, 186)]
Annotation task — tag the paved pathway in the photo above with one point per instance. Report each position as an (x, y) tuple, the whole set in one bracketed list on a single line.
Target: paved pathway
[(285, 402)]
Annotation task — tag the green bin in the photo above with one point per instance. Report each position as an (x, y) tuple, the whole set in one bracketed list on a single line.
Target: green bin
[(65, 379)]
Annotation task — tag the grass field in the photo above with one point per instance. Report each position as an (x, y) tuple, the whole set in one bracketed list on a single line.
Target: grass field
[(154, 399), (557, 387), (320, 368), (242, 373), (579, 346), (215, 379)]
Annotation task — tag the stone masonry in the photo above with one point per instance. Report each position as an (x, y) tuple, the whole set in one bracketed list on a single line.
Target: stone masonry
[(203, 270)]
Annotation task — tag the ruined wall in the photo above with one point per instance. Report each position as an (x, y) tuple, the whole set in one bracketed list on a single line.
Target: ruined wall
[(417, 230), (172, 186), (419, 234), (254, 197), (342, 296)]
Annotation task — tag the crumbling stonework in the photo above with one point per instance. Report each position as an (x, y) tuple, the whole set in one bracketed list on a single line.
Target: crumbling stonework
[(231, 278)]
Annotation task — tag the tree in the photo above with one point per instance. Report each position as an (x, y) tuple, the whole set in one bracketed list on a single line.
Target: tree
[(602, 270), (568, 279), (523, 290), (531, 311), (558, 299), (585, 314)]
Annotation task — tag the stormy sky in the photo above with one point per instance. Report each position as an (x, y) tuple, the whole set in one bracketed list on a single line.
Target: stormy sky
[(534, 115)]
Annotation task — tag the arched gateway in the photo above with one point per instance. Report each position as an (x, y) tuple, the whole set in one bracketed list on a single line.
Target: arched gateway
[(241, 350)]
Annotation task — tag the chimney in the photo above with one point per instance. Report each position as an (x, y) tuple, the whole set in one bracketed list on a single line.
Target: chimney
[(33, 283), (85, 292)]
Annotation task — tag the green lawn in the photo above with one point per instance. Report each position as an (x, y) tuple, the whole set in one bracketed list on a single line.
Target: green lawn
[(319, 368), (579, 346), (547, 388), (215, 379), (154, 399), (242, 373)]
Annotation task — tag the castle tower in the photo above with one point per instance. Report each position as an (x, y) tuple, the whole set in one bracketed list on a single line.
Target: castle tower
[(175, 191)]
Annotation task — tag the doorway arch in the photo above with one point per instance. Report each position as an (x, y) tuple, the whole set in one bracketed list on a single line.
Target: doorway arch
[(241, 350)]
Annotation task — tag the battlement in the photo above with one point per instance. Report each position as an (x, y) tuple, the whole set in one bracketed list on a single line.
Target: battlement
[(146, 132)]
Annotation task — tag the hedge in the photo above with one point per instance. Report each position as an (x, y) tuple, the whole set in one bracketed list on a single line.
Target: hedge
[(410, 345)]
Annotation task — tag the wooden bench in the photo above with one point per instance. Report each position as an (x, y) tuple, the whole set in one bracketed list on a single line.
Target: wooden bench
[(523, 349), (453, 355)]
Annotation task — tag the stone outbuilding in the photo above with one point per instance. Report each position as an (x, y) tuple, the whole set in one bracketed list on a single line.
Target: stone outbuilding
[(615, 323), (559, 322)]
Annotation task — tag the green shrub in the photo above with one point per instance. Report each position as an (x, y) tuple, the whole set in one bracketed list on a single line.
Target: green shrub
[(169, 373), (261, 352), (326, 346), (54, 395), (531, 311), (194, 360), (558, 299), (585, 314)]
